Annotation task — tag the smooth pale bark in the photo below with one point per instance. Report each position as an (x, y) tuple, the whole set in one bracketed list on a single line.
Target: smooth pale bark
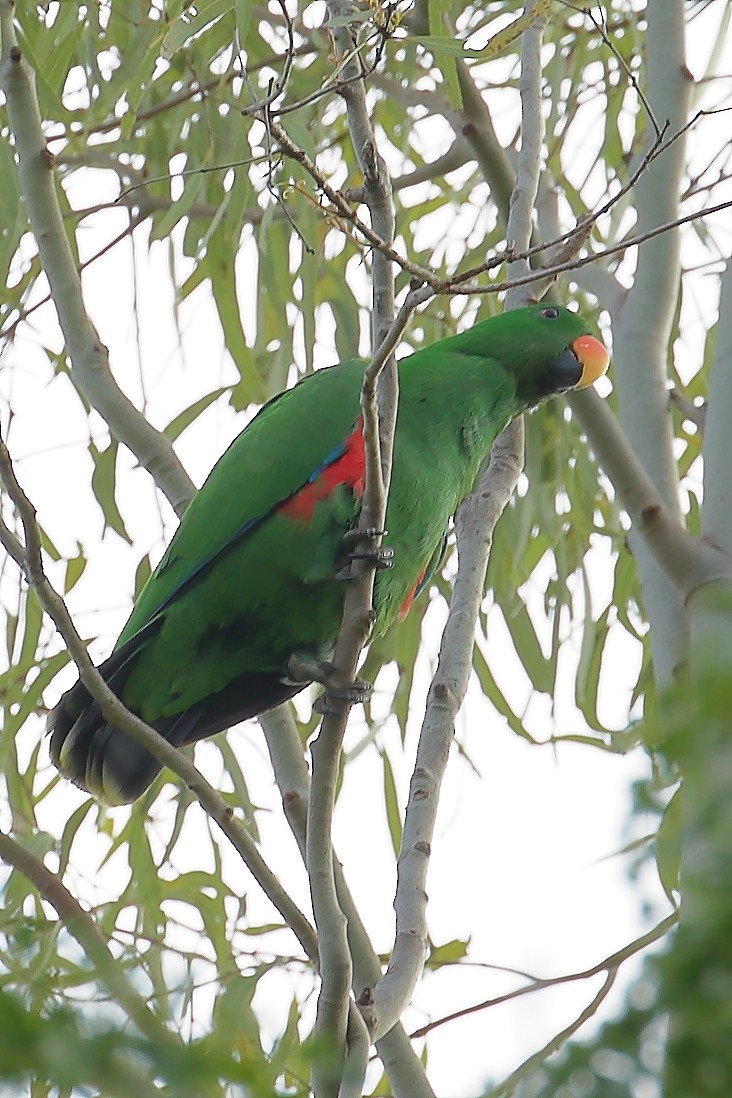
[(641, 333), (339, 1029), (87, 354)]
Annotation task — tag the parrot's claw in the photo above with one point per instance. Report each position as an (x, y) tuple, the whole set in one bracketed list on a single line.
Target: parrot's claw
[(355, 537), (352, 693), (359, 545), (337, 686)]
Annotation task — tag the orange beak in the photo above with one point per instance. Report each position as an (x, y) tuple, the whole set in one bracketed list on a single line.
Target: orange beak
[(594, 358)]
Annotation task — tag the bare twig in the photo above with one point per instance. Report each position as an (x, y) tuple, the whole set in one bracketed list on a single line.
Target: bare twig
[(337, 77), (200, 169), (609, 964), (134, 221), (600, 25), (343, 209), (448, 287), (459, 284), (278, 87), (190, 91), (507, 1087)]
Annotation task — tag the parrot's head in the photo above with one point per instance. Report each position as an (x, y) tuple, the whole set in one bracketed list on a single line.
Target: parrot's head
[(555, 351)]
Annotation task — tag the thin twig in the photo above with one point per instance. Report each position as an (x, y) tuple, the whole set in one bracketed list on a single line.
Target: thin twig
[(278, 87), (447, 287), (613, 962), (335, 78), (196, 87), (134, 221), (459, 284), (507, 1087), (601, 27), (343, 209)]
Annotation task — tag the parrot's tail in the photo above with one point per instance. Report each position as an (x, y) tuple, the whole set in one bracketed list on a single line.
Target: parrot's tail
[(96, 755), (100, 758)]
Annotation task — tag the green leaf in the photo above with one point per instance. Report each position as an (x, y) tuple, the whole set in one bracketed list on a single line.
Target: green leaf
[(494, 47), (190, 414), (104, 486), (668, 847), (444, 45), (243, 12), (190, 22), (449, 65), (142, 574), (74, 569), (449, 953), (393, 813), (525, 641)]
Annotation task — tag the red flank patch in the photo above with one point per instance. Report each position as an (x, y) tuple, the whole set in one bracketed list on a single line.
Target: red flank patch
[(348, 469)]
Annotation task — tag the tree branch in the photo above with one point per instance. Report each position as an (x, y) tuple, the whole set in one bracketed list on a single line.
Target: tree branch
[(475, 521), (458, 283), (507, 1088), (343, 209), (88, 356), (401, 1064), (641, 332), (614, 961), (82, 927), (114, 711), (379, 404), (687, 562)]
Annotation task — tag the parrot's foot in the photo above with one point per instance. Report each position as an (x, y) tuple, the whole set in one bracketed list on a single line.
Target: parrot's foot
[(359, 545), (337, 686)]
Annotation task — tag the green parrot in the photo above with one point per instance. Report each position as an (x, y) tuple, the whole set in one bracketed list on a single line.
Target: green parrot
[(251, 583)]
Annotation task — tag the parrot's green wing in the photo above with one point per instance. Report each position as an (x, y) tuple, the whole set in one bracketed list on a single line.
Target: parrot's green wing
[(284, 449)]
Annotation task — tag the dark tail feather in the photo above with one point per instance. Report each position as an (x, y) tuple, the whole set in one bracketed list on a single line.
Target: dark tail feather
[(99, 757), (82, 741), (106, 762)]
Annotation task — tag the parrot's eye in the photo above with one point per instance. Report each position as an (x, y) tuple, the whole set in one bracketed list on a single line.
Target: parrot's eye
[(550, 313)]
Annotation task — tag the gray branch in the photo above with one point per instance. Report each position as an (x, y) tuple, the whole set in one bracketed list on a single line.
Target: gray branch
[(401, 1064), (335, 1026), (641, 332), (475, 522), (687, 563), (89, 358), (29, 558)]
